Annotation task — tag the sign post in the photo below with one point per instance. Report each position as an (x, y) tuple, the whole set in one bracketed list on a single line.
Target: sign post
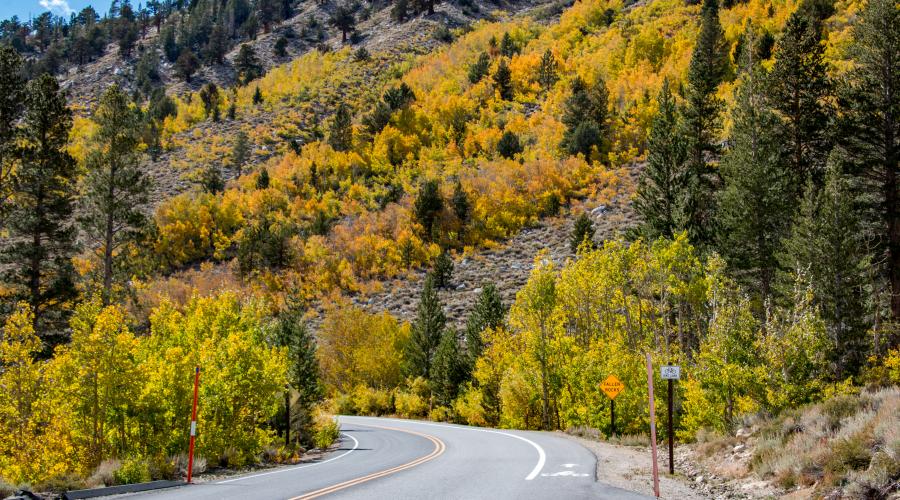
[(190, 470), (669, 374), (652, 426), (612, 386)]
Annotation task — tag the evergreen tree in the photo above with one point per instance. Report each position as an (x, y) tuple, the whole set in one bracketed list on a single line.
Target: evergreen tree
[(12, 85), (303, 375), (211, 179), (343, 20), (798, 91), (702, 124), (400, 10), (262, 179), (428, 206), (503, 81), (257, 96), (247, 65), (508, 47), (341, 136), (280, 48), (487, 313), (442, 270), (585, 117), (755, 203), (547, 72), (661, 190), (217, 46), (872, 127), (209, 95), (240, 152), (37, 252), (582, 233), (186, 65), (462, 207), (115, 187), (448, 368), (479, 69), (508, 146), (427, 330), (826, 247)]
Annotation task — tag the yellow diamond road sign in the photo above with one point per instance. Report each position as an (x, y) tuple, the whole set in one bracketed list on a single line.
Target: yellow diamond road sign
[(612, 386)]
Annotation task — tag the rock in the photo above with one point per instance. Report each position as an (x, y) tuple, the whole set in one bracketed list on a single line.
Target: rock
[(461, 286), (600, 210), (739, 448), (698, 479)]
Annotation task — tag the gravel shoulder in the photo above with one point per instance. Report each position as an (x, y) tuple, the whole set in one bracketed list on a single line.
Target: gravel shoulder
[(630, 468)]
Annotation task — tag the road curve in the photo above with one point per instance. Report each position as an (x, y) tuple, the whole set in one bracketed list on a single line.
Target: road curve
[(383, 458)]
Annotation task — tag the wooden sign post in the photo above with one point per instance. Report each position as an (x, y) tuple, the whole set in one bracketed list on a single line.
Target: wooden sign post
[(612, 386)]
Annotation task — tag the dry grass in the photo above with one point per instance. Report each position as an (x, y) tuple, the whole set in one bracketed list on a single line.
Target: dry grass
[(848, 443)]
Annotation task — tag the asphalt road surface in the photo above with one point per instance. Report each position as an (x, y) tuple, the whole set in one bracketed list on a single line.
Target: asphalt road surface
[(382, 458)]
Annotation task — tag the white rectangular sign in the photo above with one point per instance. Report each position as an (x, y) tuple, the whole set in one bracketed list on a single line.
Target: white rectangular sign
[(670, 372)]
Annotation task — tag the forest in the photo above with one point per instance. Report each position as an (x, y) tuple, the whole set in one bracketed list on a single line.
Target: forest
[(757, 143)]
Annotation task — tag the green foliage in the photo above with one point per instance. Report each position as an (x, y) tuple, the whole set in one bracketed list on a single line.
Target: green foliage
[(508, 146), (41, 235), (428, 206), (247, 64), (426, 333), (480, 68), (133, 470), (661, 189), (503, 81), (442, 271), (326, 433), (585, 116), (344, 20), (186, 65), (340, 137), (448, 370), (488, 312), (582, 233), (547, 72), (115, 188)]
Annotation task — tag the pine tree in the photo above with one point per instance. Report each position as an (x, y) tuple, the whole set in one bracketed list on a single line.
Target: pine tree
[(341, 136), (280, 48), (503, 81), (487, 313), (508, 47), (257, 96), (12, 85), (209, 95), (702, 124), (240, 152), (508, 146), (871, 132), (582, 233), (262, 179), (798, 90), (826, 246), (462, 207), (428, 206), (303, 374), (115, 186), (448, 368), (547, 72), (585, 117), (344, 20), (479, 69), (427, 330), (247, 65), (41, 235), (661, 190), (187, 64), (442, 270), (755, 205)]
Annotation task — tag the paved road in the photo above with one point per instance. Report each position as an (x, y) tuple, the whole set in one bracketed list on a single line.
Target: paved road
[(381, 458)]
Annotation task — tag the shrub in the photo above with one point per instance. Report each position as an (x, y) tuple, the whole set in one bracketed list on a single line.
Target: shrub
[(440, 414), (6, 489), (104, 474), (161, 468), (443, 270), (180, 461), (133, 470), (368, 401), (410, 405), (325, 431)]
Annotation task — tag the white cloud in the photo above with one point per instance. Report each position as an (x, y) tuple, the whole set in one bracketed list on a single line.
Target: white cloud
[(58, 7)]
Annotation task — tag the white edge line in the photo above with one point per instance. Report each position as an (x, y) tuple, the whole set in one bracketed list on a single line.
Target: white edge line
[(288, 469), (542, 457)]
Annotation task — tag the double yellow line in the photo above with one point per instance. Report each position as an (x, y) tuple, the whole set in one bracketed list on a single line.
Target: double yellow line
[(439, 448)]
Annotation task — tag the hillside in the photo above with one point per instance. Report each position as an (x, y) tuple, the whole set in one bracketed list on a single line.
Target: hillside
[(464, 212)]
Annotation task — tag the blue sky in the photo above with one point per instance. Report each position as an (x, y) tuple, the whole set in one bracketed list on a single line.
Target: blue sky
[(27, 8)]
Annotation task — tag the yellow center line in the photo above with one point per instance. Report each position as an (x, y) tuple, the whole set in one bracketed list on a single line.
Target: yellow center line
[(439, 448)]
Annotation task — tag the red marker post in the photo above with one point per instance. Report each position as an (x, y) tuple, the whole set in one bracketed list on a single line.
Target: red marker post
[(190, 470), (652, 426)]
